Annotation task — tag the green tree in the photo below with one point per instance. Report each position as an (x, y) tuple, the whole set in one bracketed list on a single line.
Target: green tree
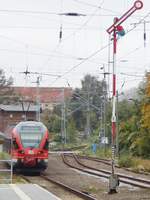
[(129, 126), (87, 101), (71, 132), (6, 91), (52, 121)]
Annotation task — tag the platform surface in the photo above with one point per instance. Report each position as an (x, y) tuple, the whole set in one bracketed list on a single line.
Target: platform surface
[(25, 192)]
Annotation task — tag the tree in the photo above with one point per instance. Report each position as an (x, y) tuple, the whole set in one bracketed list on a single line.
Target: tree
[(52, 121), (86, 103), (71, 132), (141, 145), (82, 109), (129, 127), (146, 105), (134, 134), (6, 91)]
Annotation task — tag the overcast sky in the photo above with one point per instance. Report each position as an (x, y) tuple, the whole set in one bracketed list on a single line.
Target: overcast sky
[(29, 36)]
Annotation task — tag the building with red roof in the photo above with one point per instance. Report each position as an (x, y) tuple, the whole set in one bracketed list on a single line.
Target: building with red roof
[(48, 96)]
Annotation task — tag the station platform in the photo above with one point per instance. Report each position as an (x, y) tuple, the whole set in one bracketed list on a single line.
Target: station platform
[(25, 192)]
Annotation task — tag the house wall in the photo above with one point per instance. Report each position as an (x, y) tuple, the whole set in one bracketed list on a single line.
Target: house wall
[(8, 118)]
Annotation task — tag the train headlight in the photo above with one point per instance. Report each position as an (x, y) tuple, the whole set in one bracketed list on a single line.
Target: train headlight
[(40, 152), (21, 151)]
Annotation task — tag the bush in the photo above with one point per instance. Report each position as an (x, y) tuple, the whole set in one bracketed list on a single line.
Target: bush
[(126, 161)]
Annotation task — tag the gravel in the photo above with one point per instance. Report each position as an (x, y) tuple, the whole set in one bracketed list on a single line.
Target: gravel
[(98, 187)]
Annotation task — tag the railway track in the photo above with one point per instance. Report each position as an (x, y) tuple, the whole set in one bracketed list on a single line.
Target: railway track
[(138, 182), (101, 160), (62, 185)]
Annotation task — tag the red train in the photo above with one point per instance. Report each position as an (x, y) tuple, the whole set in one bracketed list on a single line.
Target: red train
[(27, 142)]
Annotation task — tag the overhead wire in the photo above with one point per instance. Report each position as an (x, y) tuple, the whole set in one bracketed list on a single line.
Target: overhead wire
[(81, 62), (96, 52), (72, 34), (95, 6), (133, 75), (100, 7), (20, 42), (32, 12)]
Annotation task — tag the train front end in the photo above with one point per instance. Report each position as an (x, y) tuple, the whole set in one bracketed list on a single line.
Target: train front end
[(30, 146)]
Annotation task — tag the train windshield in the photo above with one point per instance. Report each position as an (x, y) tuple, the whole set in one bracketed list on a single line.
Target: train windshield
[(31, 136)]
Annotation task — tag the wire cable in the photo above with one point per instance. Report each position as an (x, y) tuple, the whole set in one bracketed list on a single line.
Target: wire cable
[(96, 52)]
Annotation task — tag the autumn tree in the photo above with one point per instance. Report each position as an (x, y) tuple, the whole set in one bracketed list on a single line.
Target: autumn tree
[(142, 143), (146, 105)]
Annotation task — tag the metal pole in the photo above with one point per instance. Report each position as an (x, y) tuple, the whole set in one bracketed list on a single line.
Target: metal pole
[(38, 100), (113, 181), (101, 121), (11, 173), (63, 118), (105, 91), (108, 84), (114, 102), (88, 115), (117, 132)]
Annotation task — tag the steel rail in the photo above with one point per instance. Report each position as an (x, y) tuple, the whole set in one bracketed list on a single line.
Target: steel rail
[(62, 185), (143, 183), (108, 172)]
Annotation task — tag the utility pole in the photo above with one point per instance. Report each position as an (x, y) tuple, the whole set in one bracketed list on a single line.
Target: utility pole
[(104, 107), (114, 30), (63, 118), (38, 99), (101, 120), (37, 88), (105, 95), (88, 131)]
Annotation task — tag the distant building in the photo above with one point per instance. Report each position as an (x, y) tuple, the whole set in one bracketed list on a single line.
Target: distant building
[(12, 114), (49, 96)]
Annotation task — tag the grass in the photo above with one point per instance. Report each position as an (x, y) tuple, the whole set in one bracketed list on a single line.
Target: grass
[(4, 155), (100, 152), (134, 163), (91, 189)]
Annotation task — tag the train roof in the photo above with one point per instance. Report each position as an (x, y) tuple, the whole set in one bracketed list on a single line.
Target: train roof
[(9, 129), (26, 125), (36, 123)]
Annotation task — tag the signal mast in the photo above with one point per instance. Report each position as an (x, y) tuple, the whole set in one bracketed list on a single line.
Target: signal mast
[(116, 29)]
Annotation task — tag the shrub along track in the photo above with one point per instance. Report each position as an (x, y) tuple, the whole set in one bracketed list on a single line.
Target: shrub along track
[(138, 182), (108, 162)]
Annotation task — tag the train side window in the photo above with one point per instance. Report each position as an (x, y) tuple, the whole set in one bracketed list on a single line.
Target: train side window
[(15, 145), (46, 145)]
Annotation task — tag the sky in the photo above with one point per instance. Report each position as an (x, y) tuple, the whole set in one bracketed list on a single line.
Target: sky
[(29, 38)]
